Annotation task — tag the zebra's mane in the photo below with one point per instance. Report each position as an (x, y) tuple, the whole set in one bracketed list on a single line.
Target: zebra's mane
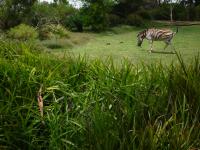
[(142, 32)]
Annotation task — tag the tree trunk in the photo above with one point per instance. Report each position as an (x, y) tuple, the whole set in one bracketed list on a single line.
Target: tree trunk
[(159, 2), (171, 13)]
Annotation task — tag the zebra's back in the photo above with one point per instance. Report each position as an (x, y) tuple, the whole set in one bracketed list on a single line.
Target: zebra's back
[(159, 34)]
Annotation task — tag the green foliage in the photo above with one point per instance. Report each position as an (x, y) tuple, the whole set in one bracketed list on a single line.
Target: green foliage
[(180, 13), (12, 12), (191, 15), (94, 14), (23, 32), (197, 12), (125, 7), (43, 13), (144, 14), (96, 105), (114, 20), (160, 13), (75, 22), (49, 31), (61, 1), (135, 20)]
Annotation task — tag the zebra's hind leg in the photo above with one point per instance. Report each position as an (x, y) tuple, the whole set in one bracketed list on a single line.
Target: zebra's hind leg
[(167, 43)]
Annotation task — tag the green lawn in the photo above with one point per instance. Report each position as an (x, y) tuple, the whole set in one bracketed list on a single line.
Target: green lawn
[(120, 43)]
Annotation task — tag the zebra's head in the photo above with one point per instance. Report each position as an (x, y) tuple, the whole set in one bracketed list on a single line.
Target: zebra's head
[(141, 37)]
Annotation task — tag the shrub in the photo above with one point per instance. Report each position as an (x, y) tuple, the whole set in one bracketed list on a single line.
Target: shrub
[(135, 20), (23, 32), (179, 12), (43, 13), (94, 15), (114, 20), (13, 12), (144, 14), (49, 31), (197, 12), (191, 14), (160, 13), (75, 22)]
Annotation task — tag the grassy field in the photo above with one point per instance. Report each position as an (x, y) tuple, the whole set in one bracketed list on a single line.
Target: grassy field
[(78, 103), (120, 43)]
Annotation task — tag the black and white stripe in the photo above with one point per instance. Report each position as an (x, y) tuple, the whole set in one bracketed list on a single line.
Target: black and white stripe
[(153, 34)]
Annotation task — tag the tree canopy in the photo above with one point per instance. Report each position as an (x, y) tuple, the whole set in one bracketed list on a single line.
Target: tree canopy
[(96, 14)]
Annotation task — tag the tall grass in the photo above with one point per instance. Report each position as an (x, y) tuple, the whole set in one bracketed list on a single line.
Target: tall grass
[(95, 104)]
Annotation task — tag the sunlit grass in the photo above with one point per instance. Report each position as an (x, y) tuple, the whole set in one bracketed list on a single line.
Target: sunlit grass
[(120, 43)]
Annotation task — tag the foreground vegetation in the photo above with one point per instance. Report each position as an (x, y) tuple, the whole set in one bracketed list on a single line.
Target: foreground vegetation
[(94, 104)]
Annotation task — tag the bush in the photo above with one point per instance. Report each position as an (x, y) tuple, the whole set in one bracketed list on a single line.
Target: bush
[(160, 13), (197, 12), (53, 31), (191, 14), (144, 14), (179, 12), (135, 20), (114, 20), (75, 22), (43, 13), (23, 32), (13, 12), (94, 15)]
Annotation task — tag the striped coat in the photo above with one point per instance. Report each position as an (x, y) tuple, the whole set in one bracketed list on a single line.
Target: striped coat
[(154, 34)]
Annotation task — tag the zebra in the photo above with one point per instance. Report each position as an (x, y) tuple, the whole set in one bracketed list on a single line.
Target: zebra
[(154, 34)]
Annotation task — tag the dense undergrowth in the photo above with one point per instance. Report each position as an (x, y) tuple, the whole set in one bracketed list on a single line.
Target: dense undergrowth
[(95, 104)]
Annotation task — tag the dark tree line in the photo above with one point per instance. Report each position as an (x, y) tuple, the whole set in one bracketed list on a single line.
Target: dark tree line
[(96, 14)]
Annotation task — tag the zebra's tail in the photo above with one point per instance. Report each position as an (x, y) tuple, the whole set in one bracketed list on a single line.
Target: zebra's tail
[(176, 31)]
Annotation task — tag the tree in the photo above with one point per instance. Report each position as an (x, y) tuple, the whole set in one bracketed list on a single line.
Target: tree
[(197, 2), (172, 4), (13, 11), (124, 7), (94, 13), (60, 1)]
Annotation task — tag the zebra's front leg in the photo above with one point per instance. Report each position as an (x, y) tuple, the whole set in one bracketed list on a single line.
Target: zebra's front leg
[(151, 46), (167, 44)]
